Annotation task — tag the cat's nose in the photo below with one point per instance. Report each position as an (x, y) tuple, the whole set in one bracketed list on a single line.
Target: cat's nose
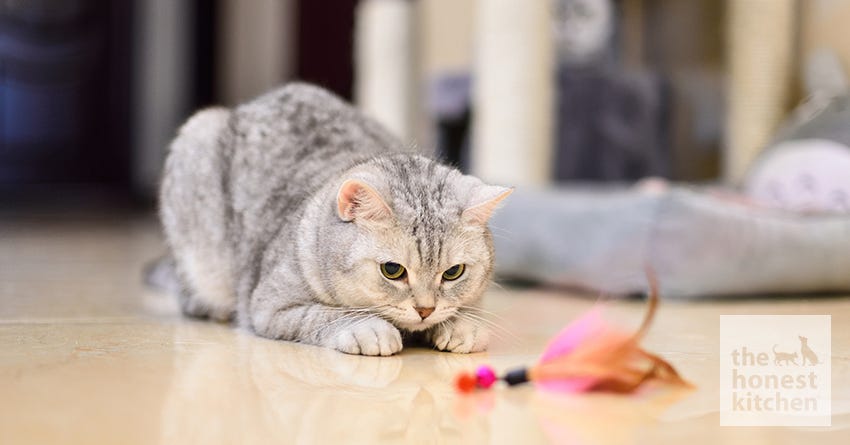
[(424, 312)]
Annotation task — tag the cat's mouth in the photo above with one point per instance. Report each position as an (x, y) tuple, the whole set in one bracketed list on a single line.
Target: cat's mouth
[(416, 325), (421, 325)]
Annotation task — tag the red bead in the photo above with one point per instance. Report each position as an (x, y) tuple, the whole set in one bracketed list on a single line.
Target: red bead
[(465, 382), (485, 377)]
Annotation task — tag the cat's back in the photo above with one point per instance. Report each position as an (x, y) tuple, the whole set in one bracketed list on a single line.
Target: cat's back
[(301, 124), (285, 146), (291, 140)]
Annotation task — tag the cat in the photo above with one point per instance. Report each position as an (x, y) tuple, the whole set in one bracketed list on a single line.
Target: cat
[(786, 357), (305, 220), (806, 351)]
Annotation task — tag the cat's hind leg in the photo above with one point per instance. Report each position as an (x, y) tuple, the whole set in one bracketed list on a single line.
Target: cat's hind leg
[(193, 214)]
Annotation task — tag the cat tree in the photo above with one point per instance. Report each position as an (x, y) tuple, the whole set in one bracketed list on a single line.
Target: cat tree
[(700, 242)]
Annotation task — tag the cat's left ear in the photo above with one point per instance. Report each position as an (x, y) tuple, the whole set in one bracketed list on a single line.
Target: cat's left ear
[(485, 199), (359, 201)]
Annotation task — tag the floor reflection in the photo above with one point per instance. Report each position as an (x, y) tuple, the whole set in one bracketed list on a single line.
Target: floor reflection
[(239, 388), (596, 418), (603, 418), (243, 389)]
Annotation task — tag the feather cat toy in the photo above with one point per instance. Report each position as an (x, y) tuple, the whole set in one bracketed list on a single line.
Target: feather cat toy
[(589, 355)]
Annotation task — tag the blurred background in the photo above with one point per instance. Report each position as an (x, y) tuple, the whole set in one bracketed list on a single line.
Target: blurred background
[(91, 91), (738, 111)]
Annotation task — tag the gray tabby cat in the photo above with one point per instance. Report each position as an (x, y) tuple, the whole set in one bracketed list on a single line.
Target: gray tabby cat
[(309, 222)]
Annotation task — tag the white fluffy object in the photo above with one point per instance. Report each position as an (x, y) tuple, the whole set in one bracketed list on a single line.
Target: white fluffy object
[(513, 91), (385, 63)]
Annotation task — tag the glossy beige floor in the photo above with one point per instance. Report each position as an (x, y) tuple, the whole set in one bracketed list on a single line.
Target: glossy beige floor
[(87, 355)]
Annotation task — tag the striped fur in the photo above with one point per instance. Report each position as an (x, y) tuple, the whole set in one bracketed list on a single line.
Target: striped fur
[(249, 206)]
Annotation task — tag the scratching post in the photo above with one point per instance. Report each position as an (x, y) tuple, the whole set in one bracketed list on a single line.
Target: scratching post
[(385, 63), (513, 92), (761, 35)]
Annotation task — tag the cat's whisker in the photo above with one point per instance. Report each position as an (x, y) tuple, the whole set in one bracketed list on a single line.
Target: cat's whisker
[(503, 237), (497, 333), (351, 317), (496, 328), (495, 228), (322, 328), (347, 311), (499, 285), (495, 325), (481, 320), (333, 324), (486, 312), (502, 288), (359, 322), (364, 309)]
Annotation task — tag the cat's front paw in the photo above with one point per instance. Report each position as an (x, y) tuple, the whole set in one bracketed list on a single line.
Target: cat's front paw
[(459, 335), (374, 336)]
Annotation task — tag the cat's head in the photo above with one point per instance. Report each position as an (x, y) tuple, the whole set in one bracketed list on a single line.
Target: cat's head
[(411, 240)]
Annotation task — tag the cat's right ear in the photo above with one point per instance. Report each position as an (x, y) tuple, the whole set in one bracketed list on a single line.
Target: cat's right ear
[(484, 201), (358, 201)]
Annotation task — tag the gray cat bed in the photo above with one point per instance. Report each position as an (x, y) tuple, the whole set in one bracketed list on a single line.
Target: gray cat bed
[(698, 242), (786, 231)]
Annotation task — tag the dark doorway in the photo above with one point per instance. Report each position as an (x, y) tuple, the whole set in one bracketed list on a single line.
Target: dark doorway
[(325, 44), (64, 91)]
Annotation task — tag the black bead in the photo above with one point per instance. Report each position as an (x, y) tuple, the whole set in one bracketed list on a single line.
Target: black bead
[(516, 376)]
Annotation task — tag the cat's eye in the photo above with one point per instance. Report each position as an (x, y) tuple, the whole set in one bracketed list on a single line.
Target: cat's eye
[(454, 272), (393, 271)]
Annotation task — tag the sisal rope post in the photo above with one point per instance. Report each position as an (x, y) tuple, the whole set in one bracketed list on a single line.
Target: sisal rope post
[(513, 91), (385, 53), (761, 52)]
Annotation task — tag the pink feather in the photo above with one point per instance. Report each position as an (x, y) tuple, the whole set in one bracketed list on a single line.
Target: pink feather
[(572, 336), (589, 355)]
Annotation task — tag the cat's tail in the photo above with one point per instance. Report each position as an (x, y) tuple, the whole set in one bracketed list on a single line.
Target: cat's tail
[(774, 348), (161, 274)]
